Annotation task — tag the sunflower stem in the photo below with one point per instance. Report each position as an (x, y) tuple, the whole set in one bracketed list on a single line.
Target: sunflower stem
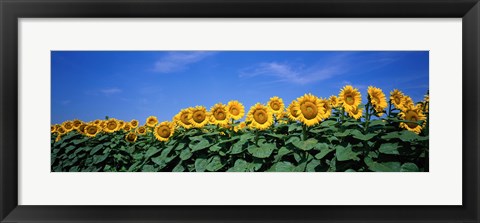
[(304, 132), (367, 115), (389, 108)]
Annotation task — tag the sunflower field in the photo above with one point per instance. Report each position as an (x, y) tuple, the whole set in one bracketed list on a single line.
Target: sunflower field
[(313, 134)]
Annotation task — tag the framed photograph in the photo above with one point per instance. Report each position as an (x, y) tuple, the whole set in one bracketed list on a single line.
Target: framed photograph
[(239, 111)]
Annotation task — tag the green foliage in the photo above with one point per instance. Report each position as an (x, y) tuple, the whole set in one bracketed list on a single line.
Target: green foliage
[(337, 144)]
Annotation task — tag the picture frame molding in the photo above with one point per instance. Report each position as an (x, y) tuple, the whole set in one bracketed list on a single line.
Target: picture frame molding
[(11, 11)]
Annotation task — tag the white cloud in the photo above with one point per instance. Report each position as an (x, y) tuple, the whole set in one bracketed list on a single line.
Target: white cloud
[(293, 74), (178, 61), (110, 91)]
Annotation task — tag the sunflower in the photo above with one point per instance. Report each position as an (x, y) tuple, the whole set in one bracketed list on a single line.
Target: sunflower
[(163, 131), (240, 126), (327, 106), (349, 98), (68, 126), (142, 130), (397, 99), (97, 122), (292, 111), (127, 127), (151, 121), (220, 114), (260, 117), (121, 124), (377, 98), (355, 113), (198, 116), (414, 114), (111, 125), (76, 123), (61, 130), (276, 105), (333, 101), (181, 119), (91, 130), (310, 109), (131, 137), (53, 128), (407, 103), (134, 123), (81, 128), (235, 109)]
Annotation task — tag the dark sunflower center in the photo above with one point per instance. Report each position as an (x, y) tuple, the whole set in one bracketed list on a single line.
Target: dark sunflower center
[(164, 131), (234, 111), (131, 137), (92, 130), (275, 106), (309, 110), (198, 116), (134, 123), (141, 130), (61, 130), (260, 116), (151, 121), (349, 99), (412, 116), (220, 115), (112, 125), (397, 100), (184, 119), (293, 112)]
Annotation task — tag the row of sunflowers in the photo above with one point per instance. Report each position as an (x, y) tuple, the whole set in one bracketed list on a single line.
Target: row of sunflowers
[(308, 123), (307, 109)]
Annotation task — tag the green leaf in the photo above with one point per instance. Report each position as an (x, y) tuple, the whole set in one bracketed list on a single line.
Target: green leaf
[(282, 152), (261, 151), (323, 152), (239, 166), (78, 141), (284, 167), (294, 127), (312, 165), (389, 148), (306, 145), (358, 135), (278, 136), (391, 135), (202, 144), (328, 123), (408, 136), (148, 168), (152, 151), (409, 167), (215, 148), (238, 147), (70, 148), (201, 164), (214, 163), (382, 167), (292, 140), (179, 168), (180, 146), (378, 122), (99, 158), (346, 153), (185, 154), (342, 134)]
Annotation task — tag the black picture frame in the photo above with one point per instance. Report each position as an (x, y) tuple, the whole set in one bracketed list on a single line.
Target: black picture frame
[(12, 10)]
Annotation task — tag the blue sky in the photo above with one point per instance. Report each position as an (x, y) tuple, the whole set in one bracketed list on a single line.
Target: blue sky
[(127, 85)]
